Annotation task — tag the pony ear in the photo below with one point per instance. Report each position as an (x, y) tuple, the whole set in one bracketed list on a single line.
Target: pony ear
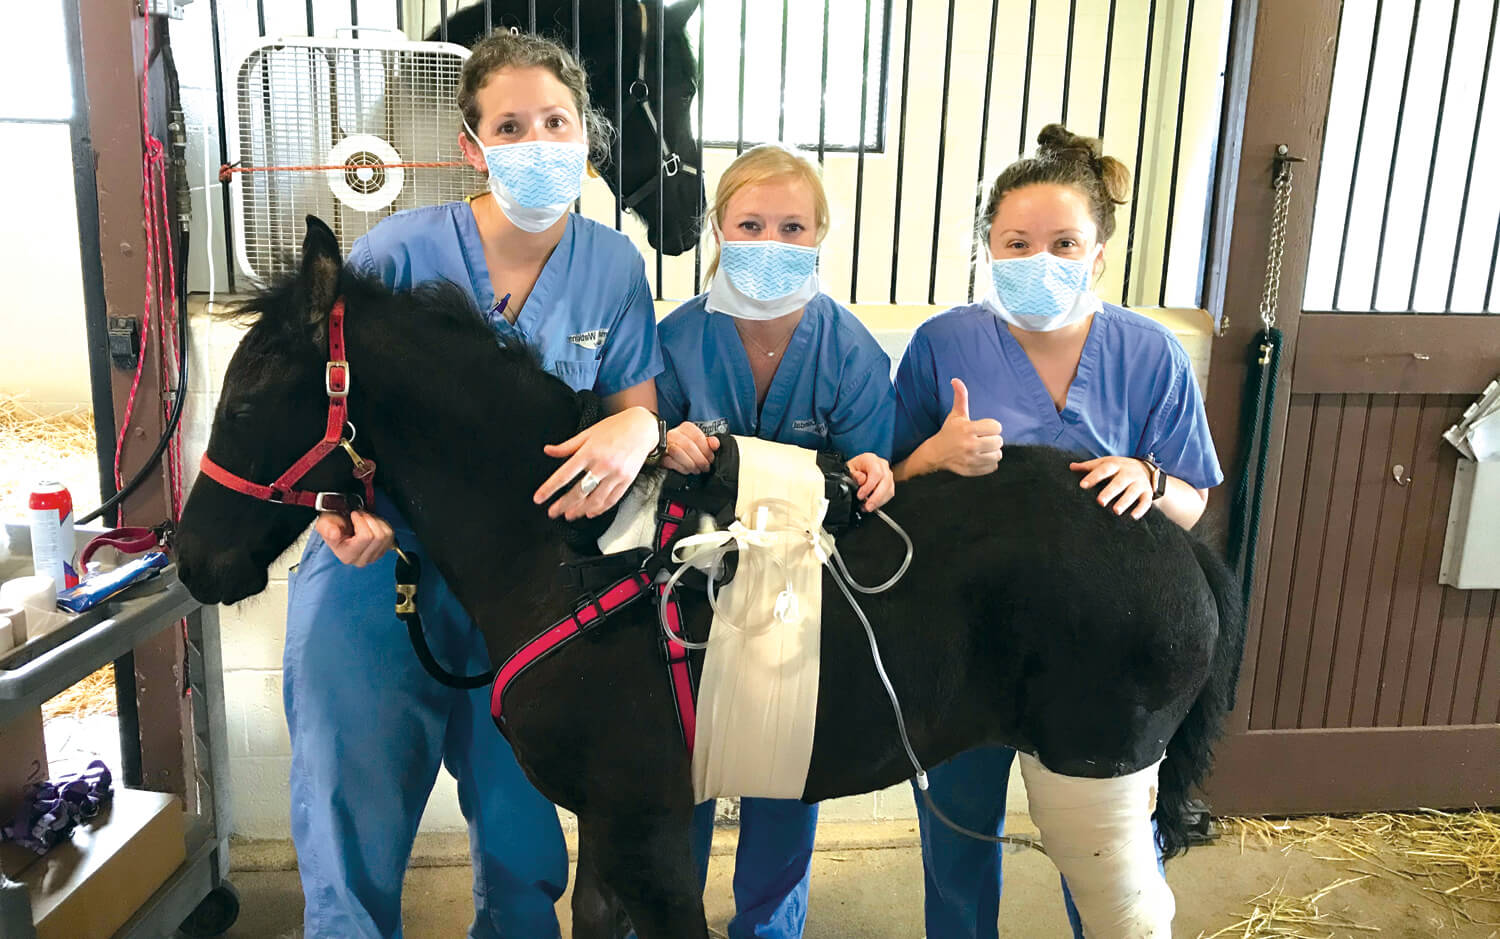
[(678, 15), (318, 280)]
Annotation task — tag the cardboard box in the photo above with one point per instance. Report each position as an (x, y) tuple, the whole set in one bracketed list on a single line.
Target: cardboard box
[(90, 886), (23, 761)]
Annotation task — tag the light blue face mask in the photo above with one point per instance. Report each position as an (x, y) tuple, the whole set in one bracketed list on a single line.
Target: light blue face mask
[(1042, 292), (535, 181), (767, 270)]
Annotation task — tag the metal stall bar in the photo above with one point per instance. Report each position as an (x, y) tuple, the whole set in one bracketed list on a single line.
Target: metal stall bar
[(619, 142), (1463, 211), (260, 15), (739, 137), (400, 15), (310, 18), (823, 92), (1489, 286), (1437, 137), (984, 122), (1140, 149), (702, 160), (1359, 148), (1109, 48), (781, 88), (531, 16), (1182, 84), (442, 20), (489, 16), (1390, 179), (900, 146), (659, 29), (354, 18), (859, 173), (1026, 79), (1067, 59), (937, 201)]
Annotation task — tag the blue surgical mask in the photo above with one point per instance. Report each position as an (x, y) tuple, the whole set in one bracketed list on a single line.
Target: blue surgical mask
[(535, 182), (1042, 292), (767, 270)]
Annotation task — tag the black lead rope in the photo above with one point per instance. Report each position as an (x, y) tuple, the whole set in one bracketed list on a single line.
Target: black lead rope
[(1260, 403), (408, 579)]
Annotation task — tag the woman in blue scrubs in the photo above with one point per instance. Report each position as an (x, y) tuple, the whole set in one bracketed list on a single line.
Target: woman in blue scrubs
[(1042, 358), (369, 727), (764, 353)]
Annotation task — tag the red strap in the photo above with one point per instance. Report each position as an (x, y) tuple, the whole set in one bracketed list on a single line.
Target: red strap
[(677, 653), (131, 539), (336, 380), (615, 597)]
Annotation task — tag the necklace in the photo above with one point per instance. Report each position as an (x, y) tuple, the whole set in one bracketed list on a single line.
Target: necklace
[(780, 346)]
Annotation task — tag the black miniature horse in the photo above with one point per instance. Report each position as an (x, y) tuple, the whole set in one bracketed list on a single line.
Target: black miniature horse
[(1029, 616), (659, 176)]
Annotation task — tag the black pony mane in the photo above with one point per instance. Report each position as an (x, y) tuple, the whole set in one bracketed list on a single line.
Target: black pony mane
[(437, 301)]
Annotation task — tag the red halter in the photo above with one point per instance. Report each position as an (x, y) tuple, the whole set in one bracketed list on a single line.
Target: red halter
[(336, 381)]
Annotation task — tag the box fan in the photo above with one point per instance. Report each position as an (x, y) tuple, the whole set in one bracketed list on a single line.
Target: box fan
[(349, 130)]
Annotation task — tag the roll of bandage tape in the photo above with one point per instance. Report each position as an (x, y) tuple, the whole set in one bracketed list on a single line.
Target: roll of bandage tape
[(16, 617), (36, 595)]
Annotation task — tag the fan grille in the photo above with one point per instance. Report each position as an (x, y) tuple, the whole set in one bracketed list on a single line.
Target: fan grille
[(298, 101)]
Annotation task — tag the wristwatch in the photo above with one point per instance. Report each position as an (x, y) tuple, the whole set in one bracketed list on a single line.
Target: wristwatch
[(655, 456), (1158, 477)]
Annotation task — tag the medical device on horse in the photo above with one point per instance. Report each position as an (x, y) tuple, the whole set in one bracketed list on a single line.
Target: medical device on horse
[(1029, 618)]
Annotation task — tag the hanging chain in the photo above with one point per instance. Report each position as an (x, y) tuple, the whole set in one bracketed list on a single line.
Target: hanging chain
[(1278, 240)]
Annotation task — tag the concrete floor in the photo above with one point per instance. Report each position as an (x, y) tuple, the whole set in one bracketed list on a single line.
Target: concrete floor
[(867, 883)]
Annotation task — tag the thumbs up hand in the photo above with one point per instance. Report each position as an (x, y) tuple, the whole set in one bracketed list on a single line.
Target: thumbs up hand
[(964, 446)]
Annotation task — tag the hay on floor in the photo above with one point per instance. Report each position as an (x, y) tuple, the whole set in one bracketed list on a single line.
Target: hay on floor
[(35, 446), (91, 697), (1452, 858), (1275, 914)]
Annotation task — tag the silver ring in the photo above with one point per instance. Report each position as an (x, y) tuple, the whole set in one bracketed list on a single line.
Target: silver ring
[(589, 483)]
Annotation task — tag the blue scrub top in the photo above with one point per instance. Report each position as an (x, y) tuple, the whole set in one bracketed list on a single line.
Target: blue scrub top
[(1134, 394), (832, 389), (589, 317)]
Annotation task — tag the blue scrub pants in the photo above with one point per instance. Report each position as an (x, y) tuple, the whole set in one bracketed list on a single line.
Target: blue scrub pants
[(369, 728), (962, 876), (772, 868)]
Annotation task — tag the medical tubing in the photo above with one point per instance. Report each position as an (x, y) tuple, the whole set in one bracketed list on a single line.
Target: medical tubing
[(845, 581)]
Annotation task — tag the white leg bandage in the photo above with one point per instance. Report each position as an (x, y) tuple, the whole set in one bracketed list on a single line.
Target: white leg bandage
[(1098, 833)]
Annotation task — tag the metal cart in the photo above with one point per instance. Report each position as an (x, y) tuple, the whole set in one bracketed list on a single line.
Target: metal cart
[(196, 899)]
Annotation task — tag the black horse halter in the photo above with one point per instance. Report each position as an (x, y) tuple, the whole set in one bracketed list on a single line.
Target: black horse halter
[(671, 164)]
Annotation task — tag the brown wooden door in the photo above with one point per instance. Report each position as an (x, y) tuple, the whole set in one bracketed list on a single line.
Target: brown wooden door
[(1366, 684)]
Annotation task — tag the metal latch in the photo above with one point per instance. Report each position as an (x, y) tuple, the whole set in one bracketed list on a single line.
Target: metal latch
[(125, 341)]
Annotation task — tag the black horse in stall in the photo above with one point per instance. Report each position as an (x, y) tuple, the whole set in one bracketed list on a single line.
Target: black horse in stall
[(659, 175), (1028, 617)]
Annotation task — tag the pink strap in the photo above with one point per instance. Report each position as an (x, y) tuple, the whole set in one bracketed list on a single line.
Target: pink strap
[(130, 539), (616, 596), (677, 654)]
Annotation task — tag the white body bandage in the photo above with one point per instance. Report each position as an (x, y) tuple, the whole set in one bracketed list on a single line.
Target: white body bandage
[(758, 698), (1098, 833)]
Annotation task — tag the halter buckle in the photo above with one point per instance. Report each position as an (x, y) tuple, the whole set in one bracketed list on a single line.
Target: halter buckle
[(671, 165), (340, 502), (336, 378), (406, 599)]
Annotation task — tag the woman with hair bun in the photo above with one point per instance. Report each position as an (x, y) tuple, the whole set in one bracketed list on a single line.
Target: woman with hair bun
[(1043, 358)]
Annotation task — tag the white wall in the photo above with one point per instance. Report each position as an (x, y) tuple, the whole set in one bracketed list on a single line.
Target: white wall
[(43, 352)]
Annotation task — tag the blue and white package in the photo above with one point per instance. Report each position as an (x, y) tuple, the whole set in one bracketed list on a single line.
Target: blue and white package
[(101, 587)]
